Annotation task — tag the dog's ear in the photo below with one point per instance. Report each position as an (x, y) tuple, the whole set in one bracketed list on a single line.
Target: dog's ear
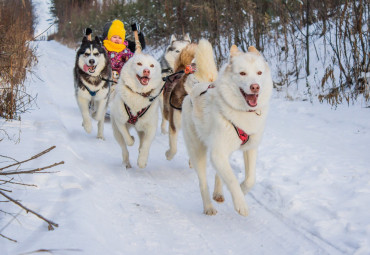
[(234, 51), (173, 38), (97, 40), (187, 37), (85, 40), (253, 50)]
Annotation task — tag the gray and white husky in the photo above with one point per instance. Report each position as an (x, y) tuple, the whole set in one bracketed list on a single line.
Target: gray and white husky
[(168, 61), (92, 73)]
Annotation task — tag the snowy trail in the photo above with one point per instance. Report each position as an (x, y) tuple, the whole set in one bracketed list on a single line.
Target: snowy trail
[(303, 201)]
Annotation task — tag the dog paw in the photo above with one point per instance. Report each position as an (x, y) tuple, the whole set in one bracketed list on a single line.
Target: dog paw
[(219, 198), (242, 210), (141, 163), (100, 137), (131, 141), (127, 164), (169, 155), (87, 126), (210, 211)]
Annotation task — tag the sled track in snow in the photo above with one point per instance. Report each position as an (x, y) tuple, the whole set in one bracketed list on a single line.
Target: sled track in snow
[(325, 245)]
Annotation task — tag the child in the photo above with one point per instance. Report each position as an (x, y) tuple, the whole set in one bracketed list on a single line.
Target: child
[(118, 49)]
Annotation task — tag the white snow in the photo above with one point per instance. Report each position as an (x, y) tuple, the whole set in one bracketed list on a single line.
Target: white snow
[(312, 194)]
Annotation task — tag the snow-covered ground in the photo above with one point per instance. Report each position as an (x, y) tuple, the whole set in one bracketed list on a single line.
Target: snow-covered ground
[(312, 194)]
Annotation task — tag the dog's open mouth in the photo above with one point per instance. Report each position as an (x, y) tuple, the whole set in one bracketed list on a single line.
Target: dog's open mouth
[(251, 99), (144, 80), (90, 69)]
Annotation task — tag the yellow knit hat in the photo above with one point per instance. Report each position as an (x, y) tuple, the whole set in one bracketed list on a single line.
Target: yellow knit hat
[(117, 28)]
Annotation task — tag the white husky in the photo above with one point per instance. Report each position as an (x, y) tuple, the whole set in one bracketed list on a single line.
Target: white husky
[(135, 104), (226, 116)]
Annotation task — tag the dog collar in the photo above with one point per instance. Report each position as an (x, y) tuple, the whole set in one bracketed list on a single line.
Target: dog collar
[(146, 94)]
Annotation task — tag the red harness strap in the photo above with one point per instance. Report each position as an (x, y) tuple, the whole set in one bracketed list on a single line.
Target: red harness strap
[(133, 119), (242, 135)]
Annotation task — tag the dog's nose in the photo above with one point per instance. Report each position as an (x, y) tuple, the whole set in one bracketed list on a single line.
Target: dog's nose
[(255, 88), (91, 61), (146, 72)]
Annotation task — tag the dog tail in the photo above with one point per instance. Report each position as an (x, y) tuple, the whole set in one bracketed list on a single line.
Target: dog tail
[(205, 62)]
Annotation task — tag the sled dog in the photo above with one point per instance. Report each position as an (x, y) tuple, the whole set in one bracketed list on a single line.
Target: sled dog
[(92, 73), (168, 61), (135, 105), (200, 58), (224, 116)]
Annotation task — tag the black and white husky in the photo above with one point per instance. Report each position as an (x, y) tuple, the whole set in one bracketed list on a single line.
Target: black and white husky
[(92, 74)]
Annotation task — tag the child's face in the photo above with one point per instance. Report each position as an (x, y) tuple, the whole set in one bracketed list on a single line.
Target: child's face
[(116, 39)]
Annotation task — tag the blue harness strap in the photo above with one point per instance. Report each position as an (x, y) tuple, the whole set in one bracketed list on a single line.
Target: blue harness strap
[(92, 93)]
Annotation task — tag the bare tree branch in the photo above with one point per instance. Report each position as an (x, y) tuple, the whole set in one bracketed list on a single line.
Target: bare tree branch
[(17, 183), (32, 158), (37, 170), (8, 238), (51, 251), (50, 223)]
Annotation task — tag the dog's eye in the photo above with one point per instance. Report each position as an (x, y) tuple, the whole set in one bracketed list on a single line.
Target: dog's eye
[(87, 54), (243, 73), (177, 51), (259, 73), (96, 54), (139, 64), (151, 65)]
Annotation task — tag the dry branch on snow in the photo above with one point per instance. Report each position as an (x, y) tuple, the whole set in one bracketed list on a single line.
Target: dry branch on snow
[(7, 180)]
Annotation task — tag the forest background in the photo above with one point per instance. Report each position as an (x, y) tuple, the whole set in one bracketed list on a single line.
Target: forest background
[(295, 34)]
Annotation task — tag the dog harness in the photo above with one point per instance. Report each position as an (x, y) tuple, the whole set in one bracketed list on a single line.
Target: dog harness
[(133, 119), (92, 93), (243, 136), (104, 79), (172, 78)]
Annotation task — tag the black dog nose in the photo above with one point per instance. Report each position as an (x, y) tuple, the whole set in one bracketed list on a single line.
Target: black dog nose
[(91, 61)]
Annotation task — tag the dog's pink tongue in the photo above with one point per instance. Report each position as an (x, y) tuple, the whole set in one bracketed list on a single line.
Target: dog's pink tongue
[(86, 68), (144, 80), (252, 100)]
